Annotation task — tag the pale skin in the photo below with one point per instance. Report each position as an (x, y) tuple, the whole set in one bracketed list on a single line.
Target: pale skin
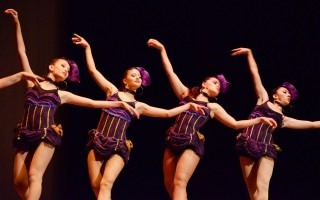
[(29, 167), (104, 173), (257, 174), (17, 77), (178, 170)]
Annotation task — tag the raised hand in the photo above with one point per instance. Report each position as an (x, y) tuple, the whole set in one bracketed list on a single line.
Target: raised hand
[(13, 13), (240, 51), (78, 40), (155, 44)]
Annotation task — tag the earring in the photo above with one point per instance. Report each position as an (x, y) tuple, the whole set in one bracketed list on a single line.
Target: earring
[(140, 92), (287, 109), (64, 86)]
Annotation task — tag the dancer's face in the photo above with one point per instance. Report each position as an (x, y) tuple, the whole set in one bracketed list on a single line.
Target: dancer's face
[(60, 69), (132, 79), (212, 85), (282, 95)]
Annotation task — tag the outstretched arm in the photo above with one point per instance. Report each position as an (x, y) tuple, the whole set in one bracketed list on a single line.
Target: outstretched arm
[(10, 80), (260, 91), (178, 87), (292, 123), (20, 43), (151, 111), (103, 83), (69, 98), (229, 121)]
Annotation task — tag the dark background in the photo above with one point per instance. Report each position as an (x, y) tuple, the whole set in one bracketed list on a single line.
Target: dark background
[(284, 36)]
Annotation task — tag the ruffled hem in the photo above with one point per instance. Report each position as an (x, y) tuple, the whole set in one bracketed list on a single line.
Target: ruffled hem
[(107, 146), (177, 143), (28, 140), (249, 147)]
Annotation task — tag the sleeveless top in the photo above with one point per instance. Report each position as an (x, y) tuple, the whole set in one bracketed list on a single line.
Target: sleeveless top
[(115, 121), (184, 134), (110, 137), (263, 132), (190, 121), (38, 123)]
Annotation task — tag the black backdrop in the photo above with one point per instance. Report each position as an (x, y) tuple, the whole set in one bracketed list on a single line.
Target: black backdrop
[(284, 36)]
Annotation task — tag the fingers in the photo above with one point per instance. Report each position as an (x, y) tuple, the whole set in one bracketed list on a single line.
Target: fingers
[(201, 111), (135, 113), (132, 111), (40, 78), (36, 82), (11, 11), (154, 43)]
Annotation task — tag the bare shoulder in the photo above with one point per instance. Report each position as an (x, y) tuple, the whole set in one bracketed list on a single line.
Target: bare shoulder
[(64, 96), (214, 106)]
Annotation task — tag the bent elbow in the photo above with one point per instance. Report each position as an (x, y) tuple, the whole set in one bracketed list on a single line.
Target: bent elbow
[(235, 127)]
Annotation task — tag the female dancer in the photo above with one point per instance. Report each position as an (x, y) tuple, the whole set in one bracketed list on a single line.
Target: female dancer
[(184, 144), (38, 135), (109, 148), (15, 78), (255, 145)]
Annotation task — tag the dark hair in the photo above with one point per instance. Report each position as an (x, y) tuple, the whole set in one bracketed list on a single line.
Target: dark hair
[(74, 74), (291, 88), (145, 77)]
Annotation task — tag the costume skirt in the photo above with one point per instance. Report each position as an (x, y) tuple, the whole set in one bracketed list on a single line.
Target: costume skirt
[(28, 140), (248, 147), (177, 143), (107, 146)]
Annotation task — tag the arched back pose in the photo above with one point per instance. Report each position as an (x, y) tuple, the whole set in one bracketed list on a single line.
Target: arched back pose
[(15, 78), (255, 145), (38, 134), (109, 148), (184, 144)]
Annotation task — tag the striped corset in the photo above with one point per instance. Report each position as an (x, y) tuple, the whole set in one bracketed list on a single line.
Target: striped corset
[(111, 125), (39, 108), (189, 122), (263, 132)]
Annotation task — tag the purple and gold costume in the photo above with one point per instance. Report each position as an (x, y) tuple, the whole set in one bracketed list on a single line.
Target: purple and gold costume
[(256, 141), (184, 134), (38, 123), (110, 135)]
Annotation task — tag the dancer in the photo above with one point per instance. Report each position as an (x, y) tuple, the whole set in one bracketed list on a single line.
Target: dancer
[(184, 144), (38, 134), (255, 145), (15, 78), (109, 148)]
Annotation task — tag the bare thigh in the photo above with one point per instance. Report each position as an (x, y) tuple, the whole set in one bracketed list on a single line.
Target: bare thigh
[(112, 168), (94, 168), (169, 164), (186, 165), (41, 159), (21, 167)]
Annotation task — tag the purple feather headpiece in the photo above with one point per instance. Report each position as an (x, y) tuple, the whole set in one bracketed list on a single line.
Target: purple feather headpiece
[(292, 90), (145, 76), (74, 74), (224, 83)]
